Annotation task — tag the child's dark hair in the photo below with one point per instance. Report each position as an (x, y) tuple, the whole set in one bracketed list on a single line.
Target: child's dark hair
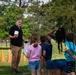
[(43, 39), (60, 37), (34, 39), (70, 37)]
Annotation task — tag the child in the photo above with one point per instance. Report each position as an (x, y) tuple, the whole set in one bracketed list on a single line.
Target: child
[(70, 68), (47, 53), (42, 62), (58, 50), (34, 53)]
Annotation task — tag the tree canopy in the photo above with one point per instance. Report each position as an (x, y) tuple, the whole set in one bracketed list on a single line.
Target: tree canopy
[(55, 13)]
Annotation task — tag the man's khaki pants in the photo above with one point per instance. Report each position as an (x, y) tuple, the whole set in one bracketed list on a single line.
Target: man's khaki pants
[(16, 54)]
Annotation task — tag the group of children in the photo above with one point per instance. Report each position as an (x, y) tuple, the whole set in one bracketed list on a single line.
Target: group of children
[(56, 55)]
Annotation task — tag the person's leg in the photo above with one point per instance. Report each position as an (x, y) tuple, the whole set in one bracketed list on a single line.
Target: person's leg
[(57, 72), (38, 72), (14, 57), (18, 58), (33, 72), (42, 64), (52, 72), (42, 71), (68, 74), (48, 71), (72, 73), (62, 73)]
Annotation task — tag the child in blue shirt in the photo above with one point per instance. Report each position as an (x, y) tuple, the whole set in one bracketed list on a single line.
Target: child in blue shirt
[(47, 53), (70, 68)]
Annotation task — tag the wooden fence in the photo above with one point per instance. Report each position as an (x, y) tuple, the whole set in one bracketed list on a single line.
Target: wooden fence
[(4, 44)]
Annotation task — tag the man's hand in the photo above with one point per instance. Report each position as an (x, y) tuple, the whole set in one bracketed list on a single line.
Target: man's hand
[(15, 36)]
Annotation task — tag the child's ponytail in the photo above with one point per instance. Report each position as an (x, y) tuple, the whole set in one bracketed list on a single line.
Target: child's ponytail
[(35, 44)]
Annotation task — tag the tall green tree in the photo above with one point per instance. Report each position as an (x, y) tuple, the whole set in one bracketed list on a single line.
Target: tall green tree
[(60, 13), (11, 13), (65, 12)]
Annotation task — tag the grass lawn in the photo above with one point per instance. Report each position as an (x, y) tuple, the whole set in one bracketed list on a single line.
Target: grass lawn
[(5, 68)]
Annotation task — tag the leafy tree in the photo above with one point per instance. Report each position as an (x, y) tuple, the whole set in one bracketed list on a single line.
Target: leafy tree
[(11, 13), (26, 27), (58, 13)]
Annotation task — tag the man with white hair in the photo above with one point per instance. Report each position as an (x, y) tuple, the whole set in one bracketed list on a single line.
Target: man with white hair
[(16, 41)]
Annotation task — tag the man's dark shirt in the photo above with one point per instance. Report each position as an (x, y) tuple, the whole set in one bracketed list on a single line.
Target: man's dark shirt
[(17, 41)]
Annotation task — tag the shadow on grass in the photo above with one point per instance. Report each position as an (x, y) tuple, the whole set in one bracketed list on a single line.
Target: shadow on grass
[(6, 70)]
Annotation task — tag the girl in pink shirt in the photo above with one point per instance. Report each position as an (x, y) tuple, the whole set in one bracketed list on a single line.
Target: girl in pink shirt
[(34, 53)]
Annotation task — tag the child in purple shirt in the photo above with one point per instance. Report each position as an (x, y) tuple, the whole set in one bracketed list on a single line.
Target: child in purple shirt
[(34, 54)]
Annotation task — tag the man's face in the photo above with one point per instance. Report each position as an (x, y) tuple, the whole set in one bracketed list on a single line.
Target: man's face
[(19, 22)]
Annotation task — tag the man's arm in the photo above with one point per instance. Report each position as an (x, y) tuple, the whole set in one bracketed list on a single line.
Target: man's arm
[(13, 37)]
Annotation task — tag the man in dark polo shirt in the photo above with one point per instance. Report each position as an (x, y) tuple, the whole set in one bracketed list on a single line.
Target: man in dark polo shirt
[(16, 40)]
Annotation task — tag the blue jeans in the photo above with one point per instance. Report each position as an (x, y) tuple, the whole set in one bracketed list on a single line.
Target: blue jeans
[(34, 65)]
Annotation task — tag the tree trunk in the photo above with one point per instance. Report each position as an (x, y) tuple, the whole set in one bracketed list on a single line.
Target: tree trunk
[(19, 3), (72, 25)]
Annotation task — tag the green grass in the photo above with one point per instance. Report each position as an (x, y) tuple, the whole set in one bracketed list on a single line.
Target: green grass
[(5, 68)]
